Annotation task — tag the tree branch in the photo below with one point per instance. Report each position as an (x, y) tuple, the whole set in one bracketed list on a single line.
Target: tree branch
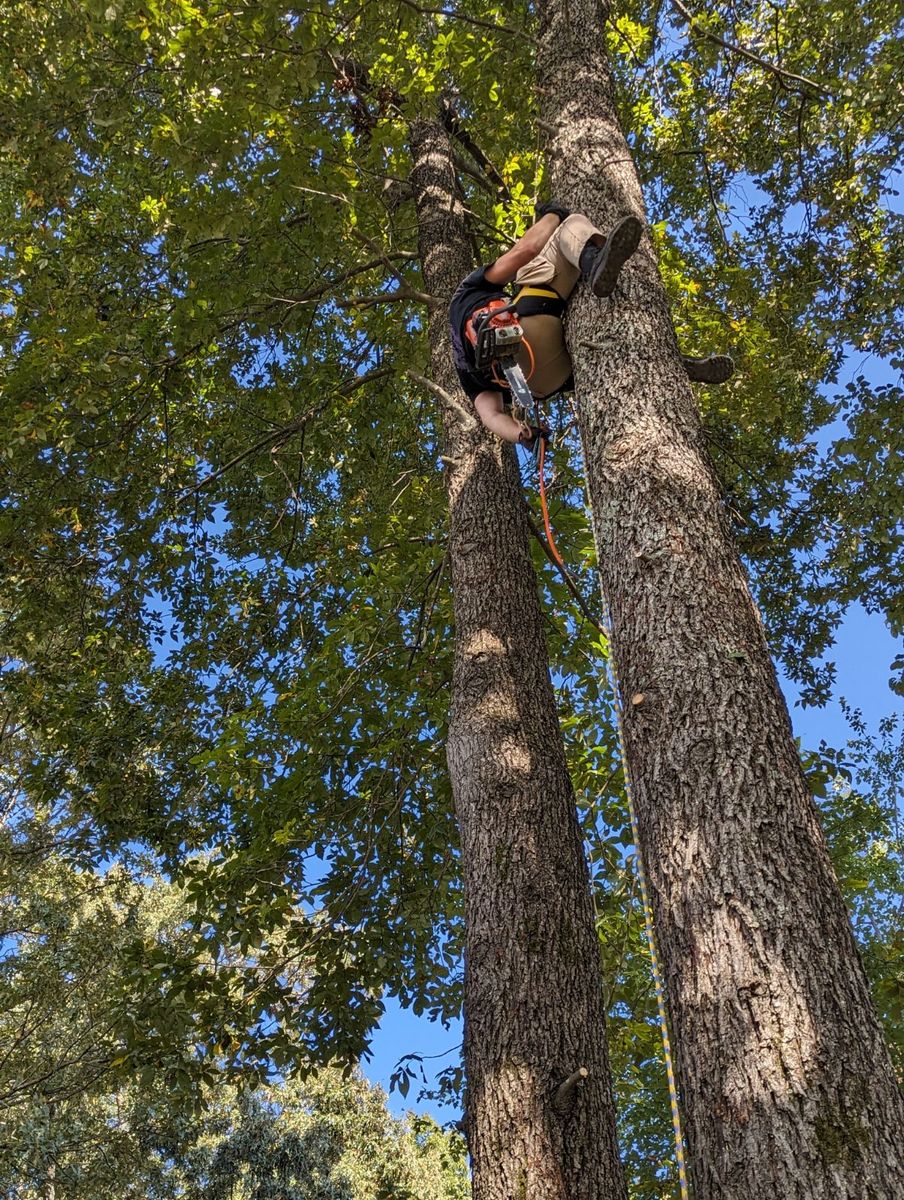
[(276, 437), (384, 255), (452, 123), (352, 385), (318, 292), (358, 79), (462, 165), (566, 578), (750, 55), (469, 20), (401, 293), (467, 419), (563, 1099)]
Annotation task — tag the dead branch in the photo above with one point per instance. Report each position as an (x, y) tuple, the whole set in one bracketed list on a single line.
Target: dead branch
[(563, 1099)]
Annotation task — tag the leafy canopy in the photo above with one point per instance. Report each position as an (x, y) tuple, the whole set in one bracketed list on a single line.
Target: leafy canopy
[(226, 611)]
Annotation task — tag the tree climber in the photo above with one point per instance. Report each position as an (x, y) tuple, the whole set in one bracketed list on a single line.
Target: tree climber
[(545, 265)]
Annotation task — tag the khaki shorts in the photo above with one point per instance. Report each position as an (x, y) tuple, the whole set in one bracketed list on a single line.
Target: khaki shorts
[(556, 266)]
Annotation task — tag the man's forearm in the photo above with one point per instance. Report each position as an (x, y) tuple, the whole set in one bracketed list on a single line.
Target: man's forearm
[(497, 420)]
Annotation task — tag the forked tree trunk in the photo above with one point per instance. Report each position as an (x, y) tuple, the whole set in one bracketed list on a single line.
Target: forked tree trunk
[(533, 986), (787, 1087)]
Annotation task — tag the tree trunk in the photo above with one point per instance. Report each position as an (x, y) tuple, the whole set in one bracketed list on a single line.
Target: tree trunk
[(533, 985), (786, 1084)]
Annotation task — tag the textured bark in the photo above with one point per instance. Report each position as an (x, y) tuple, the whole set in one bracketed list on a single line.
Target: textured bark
[(786, 1084), (533, 986)]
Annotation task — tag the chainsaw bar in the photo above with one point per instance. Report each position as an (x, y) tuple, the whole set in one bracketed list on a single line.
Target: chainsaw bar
[(521, 393)]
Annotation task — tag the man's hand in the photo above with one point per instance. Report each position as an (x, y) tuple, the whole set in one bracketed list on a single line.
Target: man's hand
[(528, 439), (491, 411), (552, 206)]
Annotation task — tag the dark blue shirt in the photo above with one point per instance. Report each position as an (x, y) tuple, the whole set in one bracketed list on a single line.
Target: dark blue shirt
[(473, 292)]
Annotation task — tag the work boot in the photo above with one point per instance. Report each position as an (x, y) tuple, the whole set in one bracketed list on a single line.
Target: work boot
[(717, 368), (600, 265)]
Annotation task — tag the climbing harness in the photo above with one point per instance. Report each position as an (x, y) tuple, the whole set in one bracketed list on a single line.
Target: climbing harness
[(538, 302), (647, 912)]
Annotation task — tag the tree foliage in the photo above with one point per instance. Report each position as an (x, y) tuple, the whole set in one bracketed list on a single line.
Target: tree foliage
[(73, 1113), (226, 611)]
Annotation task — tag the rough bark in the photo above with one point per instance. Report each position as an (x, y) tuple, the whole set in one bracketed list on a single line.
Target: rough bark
[(787, 1088), (533, 986)]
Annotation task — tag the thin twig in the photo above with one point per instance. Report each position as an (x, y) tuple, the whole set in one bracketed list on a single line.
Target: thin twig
[(274, 438), (277, 437), (425, 613), (318, 292), (712, 199)]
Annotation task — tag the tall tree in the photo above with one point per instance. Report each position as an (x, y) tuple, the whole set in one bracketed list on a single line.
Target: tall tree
[(533, 988), (786, 1084)]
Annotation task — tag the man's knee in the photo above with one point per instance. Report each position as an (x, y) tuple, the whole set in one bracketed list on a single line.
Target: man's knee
[(574, 234), (575, 223)]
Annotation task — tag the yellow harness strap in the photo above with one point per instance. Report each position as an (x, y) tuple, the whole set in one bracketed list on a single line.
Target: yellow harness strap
[(548, 293)]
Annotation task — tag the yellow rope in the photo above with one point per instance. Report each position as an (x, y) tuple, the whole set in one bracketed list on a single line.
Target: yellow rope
[(648, 915)]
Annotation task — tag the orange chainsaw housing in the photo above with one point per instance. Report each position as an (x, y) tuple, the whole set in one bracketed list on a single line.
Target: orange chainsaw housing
[(483, 326)]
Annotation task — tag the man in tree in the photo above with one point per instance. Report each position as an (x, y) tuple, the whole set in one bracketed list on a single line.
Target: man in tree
[(545, 265)]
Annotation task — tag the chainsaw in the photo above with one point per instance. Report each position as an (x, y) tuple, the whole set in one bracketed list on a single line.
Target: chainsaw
[(496, 335)]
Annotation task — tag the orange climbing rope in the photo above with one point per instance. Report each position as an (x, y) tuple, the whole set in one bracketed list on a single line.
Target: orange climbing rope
[(543, 503)]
